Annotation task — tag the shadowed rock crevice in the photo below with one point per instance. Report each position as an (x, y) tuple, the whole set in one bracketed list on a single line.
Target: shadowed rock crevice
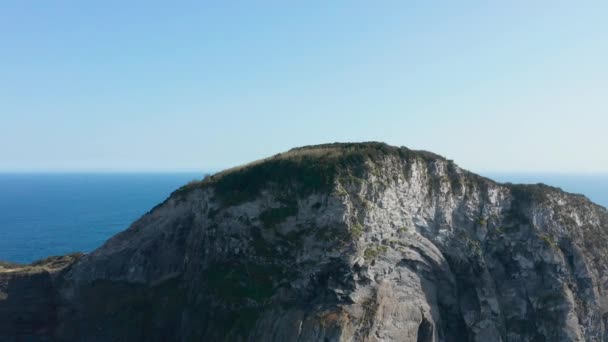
[(425, 331)]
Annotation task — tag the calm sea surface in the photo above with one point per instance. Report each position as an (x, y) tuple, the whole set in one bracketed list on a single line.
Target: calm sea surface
[(53, 214)]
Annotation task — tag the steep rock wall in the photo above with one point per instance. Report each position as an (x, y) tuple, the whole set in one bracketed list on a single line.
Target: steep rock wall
[(362, 242)]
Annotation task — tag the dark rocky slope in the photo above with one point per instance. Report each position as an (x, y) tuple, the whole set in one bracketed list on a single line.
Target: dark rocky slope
[(341, 242)]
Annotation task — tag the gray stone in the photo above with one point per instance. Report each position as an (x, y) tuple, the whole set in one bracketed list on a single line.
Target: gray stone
[(400, 245)]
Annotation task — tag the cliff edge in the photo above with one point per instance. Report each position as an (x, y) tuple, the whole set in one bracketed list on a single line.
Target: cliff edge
[(336, 242)]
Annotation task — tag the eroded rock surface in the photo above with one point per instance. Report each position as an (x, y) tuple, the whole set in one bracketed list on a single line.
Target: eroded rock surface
[(340, 242)]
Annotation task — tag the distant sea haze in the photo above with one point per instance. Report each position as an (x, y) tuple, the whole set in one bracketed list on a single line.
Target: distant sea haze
[(54, 214)]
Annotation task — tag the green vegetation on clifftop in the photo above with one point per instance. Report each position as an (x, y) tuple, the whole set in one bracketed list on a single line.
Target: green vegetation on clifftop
[(300, 171)]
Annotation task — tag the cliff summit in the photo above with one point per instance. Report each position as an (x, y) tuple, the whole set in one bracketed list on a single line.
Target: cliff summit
[(335, 242)]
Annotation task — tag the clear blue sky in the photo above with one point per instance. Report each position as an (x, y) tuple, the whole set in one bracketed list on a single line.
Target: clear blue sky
[(109, 86)]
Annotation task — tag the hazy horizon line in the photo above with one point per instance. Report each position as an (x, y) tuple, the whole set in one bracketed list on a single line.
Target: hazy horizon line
[(215, 170)]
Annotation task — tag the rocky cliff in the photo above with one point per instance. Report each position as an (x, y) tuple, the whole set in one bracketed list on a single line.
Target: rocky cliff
[(339, 242)]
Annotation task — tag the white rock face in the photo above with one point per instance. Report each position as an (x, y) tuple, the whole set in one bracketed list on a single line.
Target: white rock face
[(400, 246)]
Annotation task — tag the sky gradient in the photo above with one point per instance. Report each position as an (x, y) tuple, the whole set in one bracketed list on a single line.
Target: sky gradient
[(497, 86)]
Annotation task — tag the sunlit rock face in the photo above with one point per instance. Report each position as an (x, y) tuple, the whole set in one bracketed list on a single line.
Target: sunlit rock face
[(339, 242)]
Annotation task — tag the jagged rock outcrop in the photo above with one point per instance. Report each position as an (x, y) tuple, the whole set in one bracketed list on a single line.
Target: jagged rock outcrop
[(338, 242)]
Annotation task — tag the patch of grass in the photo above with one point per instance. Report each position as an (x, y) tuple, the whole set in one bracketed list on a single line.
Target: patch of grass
[(403, 230), (7, 265), (527, 193), (549, 240), (356, 231), (301, 171), (271, 217), (58, 261), (367, 203), (373, 252), (350, 179), (390, 242), (234, 282), (340, 191), (370, 307), (301, 176), (332, 233), (474, 246)]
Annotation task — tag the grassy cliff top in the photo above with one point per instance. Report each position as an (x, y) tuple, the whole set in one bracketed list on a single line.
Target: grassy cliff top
[(301, 170), (314, 168), (51, 263)]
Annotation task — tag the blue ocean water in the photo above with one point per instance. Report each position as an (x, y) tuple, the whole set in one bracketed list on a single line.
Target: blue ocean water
[(54, 214)]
